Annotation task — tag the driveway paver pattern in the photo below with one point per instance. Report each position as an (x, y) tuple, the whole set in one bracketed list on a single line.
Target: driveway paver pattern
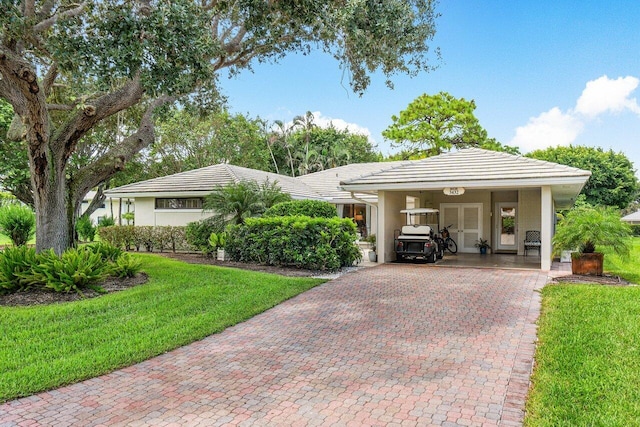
[(393, 345)]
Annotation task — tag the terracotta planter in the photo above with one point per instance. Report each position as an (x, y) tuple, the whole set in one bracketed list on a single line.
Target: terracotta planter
[(587, 264)]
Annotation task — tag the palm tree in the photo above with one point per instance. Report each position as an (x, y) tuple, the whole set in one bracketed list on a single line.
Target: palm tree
[(284, 133), (233, 203)]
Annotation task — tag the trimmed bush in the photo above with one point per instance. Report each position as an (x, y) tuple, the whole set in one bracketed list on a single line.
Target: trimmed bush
[(85, 228), (18, 222), (160, 238), (295, 241), (198, 233), (312, 208), (15, 261)]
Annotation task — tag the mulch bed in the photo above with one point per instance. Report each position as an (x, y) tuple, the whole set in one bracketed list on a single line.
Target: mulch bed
[(201, 259), (593, 280), (44, 296)]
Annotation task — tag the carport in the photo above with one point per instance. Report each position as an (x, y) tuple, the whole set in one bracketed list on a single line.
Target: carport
[(483, 194)]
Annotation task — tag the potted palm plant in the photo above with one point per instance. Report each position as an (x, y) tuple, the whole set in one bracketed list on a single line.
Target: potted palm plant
[(482, 245), (373, 256), (586, 228)]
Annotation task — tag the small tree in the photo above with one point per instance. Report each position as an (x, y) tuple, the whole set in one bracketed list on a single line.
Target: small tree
[(18, 222), (233, 203), (586, 227)]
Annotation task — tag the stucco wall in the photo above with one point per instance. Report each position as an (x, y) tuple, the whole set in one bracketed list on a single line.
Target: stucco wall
[(529, 211), (389, 219), (147, 214)]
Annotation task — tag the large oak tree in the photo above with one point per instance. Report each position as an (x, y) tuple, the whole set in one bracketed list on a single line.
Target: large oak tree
[(66, 66)]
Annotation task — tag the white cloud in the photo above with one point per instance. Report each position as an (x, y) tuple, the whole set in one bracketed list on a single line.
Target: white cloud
[(549, 129), (325, 122), (608, 95), (555, 127)]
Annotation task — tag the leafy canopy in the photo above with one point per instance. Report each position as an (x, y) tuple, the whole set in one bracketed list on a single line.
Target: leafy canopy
[(613, 181), (432, 124)]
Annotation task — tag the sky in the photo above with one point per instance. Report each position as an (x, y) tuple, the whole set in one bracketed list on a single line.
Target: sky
[(542, 74)]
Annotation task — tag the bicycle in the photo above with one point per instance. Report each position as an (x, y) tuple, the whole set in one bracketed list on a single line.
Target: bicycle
[(449, 243)]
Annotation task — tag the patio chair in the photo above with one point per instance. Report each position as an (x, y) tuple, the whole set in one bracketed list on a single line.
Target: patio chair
[(532, 241)]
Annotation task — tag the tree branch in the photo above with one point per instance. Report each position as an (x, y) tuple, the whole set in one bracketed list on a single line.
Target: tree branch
[(49, 22), (115, 159), (50, 78), (68, 135)]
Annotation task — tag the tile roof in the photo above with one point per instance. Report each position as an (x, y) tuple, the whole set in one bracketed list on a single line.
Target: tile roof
[(633, 217), (327, 182), (471, 167), (202, 181)]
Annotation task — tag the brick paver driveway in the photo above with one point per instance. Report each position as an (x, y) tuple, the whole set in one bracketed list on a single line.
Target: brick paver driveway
[(389, 345)]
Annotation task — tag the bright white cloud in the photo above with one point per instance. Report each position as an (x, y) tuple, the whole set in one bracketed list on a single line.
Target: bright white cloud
[(325, 122), (608, 95), (555, 127), (549, 129)]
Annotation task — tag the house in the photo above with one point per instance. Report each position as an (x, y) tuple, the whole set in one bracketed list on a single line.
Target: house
[(177, 199), (109, 208), (483, 194), (632, 219)]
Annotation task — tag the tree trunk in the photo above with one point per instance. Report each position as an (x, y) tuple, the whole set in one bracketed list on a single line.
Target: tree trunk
[(52, 225)]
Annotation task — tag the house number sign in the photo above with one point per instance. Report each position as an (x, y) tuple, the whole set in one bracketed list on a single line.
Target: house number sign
[(454, 191)]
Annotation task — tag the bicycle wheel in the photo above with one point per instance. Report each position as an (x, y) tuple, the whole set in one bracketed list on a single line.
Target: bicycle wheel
[(451, 245)]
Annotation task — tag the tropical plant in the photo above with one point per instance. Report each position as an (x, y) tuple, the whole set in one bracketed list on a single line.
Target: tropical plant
[(126, 265), (73, 271), (107, 252), (106, 221), (17, 222), (586, 227), (233, 203), (13, 262)]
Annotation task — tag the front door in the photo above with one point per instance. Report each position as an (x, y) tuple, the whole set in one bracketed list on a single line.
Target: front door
[(466, 224), (506, 227)]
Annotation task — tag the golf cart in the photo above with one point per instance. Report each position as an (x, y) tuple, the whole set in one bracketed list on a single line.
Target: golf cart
[(418, 239)]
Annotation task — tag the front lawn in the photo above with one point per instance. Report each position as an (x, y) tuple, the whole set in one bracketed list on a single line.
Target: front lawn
[(588, 357), (45, 347)]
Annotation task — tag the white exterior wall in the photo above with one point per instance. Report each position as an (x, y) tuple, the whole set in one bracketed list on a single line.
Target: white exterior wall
[(389, 219), (147, 214), (529, 215)]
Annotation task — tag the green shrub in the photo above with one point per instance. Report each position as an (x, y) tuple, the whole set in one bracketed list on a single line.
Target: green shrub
[(85, 228), (18, 222), (126, 266), (296, 241), (106, 221), (107, 252), (197, 234), (74, 270), (635, 229), (15, 261), (129, 237), (312, 208)]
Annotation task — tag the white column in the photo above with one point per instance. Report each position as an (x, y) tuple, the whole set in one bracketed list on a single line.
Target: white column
[(380, 235), (546, 232)]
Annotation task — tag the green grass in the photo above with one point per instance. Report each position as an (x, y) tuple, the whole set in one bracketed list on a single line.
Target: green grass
[(629, 269), (45, 347), (588, 357)]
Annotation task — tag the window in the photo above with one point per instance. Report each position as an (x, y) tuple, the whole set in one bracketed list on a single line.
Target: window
[(192, 203)]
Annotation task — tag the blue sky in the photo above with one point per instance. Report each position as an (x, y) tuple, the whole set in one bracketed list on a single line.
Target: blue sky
[(542, 74)]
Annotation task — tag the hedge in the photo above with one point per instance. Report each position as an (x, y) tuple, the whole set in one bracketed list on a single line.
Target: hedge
[(312, 208), (159, 238), (295, 241)]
